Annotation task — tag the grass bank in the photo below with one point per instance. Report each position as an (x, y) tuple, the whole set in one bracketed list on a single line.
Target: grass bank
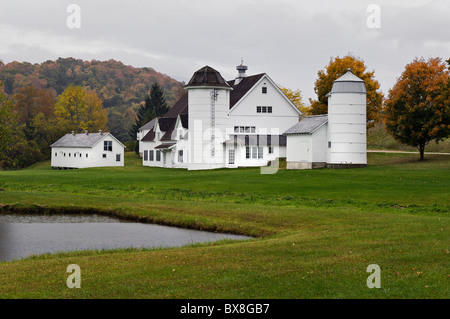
[(316, 231)]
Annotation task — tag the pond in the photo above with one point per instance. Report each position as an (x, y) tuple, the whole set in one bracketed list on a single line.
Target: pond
[(26, 235)]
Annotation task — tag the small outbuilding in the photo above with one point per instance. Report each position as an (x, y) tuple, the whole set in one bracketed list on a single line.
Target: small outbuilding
[(335, 140), (306, 143), (87, 150)]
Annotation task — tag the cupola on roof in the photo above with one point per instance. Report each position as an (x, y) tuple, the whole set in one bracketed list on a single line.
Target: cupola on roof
[(207, 76)]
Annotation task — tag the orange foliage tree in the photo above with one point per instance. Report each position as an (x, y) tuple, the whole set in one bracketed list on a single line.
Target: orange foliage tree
[(335, 69), (417, 110)]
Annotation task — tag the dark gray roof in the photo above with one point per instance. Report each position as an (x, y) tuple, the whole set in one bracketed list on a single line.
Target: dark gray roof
[(207, 76), (348, 83), (308, 124), (164, 146), (149, 125), (80, 140)]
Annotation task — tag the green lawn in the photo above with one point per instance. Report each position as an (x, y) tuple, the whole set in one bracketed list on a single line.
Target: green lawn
[(315, 231)]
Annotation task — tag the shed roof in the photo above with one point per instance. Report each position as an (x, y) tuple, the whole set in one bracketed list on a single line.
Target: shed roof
[(81, 140), (308, 124)]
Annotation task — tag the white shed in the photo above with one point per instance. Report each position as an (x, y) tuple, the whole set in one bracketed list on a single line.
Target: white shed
[(306, 143), (87, 150)]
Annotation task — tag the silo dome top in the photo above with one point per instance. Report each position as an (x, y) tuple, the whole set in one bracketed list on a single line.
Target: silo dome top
[(348, 83), (207, 76)]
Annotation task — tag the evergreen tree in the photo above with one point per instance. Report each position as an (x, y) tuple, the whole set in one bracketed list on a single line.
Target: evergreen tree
[(155, 105)]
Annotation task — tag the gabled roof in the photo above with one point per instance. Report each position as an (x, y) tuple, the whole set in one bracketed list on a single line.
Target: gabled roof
[(148, 126), (82, 140), (308, 124), (180, 107), (242, 87), (150, 136), (168, 124)]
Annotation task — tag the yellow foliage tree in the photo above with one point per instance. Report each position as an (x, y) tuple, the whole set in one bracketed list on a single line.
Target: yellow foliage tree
[(335, 69), (78, 109), (295, 96)]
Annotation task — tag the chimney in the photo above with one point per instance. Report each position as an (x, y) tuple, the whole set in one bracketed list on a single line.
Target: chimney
[(241, 72)]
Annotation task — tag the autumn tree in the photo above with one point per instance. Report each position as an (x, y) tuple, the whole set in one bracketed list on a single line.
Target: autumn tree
[(80, 109), (335, 69), (295, 96), (417, 110), (14, 148)]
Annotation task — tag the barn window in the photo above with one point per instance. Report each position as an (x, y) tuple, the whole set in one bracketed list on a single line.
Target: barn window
[(145, 155), (117, 157), (270, 149), (180, 156), (258, 109), (151, 156), (104, 155), (329, 144), (80, 154), (269, 109), (264, 90), (247, 152), (107, 146), (86, 155), (158, 156), (69, 154), (56, 154)]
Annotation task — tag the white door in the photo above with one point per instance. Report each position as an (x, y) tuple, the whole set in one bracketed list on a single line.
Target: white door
[(303, 149), (231, 157)]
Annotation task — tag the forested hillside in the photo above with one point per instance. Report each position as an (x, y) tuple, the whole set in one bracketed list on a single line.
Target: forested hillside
[(122, 88)]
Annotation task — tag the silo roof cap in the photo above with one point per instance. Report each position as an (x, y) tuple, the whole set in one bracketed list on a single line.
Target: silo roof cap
[(348, 83)]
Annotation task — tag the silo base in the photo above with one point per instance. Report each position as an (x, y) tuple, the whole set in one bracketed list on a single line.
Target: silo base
[(305, 165), (331, 165)]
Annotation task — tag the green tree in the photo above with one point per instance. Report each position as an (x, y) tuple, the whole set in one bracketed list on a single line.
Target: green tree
[(154, 106), (79, 109), (335, 69), (417, 110), (12, 139)]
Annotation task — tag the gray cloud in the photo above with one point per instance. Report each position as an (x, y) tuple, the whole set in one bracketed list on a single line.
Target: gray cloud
[(290, 40)]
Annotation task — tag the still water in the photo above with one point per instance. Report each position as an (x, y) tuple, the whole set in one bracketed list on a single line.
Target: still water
[(25, 235)]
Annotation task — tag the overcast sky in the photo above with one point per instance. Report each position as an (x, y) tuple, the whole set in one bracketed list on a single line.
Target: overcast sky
[(291, 40)]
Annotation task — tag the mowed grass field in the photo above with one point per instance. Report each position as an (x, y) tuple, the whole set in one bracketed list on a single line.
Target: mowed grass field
[(315, 231)]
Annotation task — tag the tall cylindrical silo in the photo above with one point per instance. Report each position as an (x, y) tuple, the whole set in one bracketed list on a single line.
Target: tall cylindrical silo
[(347, 140)]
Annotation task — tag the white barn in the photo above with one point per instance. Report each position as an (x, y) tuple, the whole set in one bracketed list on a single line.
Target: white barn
[(219, 123), (336, 140), (87, 150)]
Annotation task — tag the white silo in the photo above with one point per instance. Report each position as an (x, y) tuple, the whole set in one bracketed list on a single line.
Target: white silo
[(347, 140), (209, 103)]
